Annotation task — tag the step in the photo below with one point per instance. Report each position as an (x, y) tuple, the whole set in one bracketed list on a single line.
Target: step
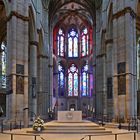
[(71, 132), (84, 127), (73, 128)]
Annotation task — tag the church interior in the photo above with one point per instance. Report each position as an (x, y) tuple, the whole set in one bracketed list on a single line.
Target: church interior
[(70, 55)]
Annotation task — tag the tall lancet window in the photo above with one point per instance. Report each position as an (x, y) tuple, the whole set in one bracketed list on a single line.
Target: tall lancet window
[(72, 43), (60, 43), (84, 42), (85, 81), (73, 81), (61, 80), (3, 65)]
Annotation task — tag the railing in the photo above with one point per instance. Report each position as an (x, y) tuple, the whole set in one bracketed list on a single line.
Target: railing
[(115, 136), (12, 135), (9, 125), (133, 123)]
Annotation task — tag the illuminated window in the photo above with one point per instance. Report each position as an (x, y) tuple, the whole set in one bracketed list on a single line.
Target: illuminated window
[(85, 81), (60, 43), (72, 43), (3, 65), (61, 80), (73, 81), (84, 42)]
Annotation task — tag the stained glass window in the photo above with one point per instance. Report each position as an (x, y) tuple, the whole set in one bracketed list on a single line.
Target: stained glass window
[(85, 81), (73, 43), (73, 81), (3, 65), (61, 80), (84, 42), (60, 42)]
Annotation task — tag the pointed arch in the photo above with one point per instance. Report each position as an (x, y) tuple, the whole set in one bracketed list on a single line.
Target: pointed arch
[(32, 31)]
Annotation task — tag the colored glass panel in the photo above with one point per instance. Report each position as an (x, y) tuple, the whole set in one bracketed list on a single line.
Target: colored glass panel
[(75, 47), (75, 84), (61, 80), (85, 42), (70, 85), (73, 43), (72, 81), (60, 43), (70, 47), (85, 81), (3, 60)]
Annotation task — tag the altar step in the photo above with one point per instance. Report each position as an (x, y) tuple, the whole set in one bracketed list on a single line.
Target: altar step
[(76, 131), (74, 128)]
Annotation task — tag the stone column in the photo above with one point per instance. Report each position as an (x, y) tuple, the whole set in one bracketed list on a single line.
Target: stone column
[(124, 57), (138, 73), (17, 62), (33, 78), (114, 69), (139, 67), (109, 66), (104, 86), (131, 63), (45, 68)]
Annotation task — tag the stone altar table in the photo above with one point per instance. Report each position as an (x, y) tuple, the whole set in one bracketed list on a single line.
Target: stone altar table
[(69, 116)]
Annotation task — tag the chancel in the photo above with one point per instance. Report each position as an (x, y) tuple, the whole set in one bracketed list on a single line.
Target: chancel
[(70, 60)]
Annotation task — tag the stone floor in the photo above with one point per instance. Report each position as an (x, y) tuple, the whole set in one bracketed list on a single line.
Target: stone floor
[(123, 135)]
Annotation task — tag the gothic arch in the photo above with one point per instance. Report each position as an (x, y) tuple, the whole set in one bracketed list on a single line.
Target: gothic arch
[(31, 24), (5, 5), (110, 22)]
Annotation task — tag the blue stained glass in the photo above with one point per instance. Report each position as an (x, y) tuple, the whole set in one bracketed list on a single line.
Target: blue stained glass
[(3, 60), (85, 81), (61, 79), (72, 33)]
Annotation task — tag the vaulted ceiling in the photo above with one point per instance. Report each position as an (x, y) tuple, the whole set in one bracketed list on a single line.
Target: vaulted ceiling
[(68, 12)]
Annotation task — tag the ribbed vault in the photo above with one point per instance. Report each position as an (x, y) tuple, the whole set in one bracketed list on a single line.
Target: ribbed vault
[(81, 11)]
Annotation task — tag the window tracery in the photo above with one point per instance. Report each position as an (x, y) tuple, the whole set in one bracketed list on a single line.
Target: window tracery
[(73, 81)]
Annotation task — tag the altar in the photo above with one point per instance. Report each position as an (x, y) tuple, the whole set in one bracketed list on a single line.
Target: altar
[(69, 116)]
